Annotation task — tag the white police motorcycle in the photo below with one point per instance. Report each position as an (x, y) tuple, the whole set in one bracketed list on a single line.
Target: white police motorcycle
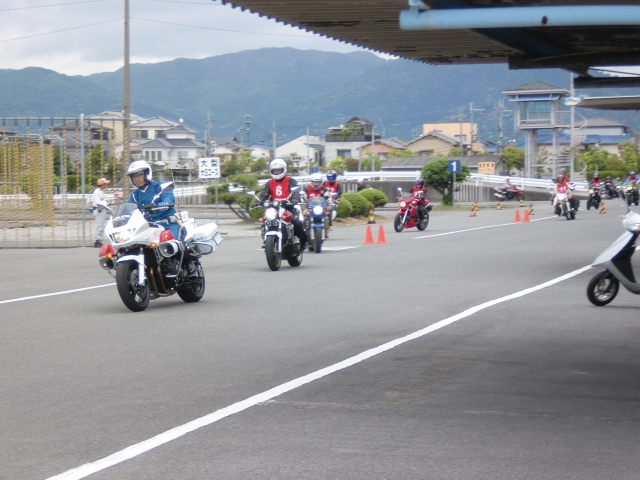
[(148, 262)]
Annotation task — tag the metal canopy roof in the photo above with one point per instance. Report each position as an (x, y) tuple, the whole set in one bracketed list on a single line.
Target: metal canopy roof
[(608, 103), (375, 24)]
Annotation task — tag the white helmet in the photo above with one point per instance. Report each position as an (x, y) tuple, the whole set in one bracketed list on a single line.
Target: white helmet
[(137, 167), (278, 168), (316, 180)]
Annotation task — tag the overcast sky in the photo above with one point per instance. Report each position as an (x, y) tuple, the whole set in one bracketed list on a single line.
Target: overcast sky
[(99, 47)]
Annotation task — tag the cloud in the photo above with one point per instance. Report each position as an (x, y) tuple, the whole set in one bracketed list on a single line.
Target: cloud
[(98, 48)]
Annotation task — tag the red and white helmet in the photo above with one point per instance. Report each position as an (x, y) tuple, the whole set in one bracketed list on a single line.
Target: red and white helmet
[(278, 168)]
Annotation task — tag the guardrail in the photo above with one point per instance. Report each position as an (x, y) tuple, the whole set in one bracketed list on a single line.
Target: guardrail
[(524, 182)]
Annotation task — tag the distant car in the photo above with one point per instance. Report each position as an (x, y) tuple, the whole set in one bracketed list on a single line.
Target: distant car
[(236, 188)]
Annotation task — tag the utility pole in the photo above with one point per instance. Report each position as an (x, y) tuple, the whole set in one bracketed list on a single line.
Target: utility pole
[(501, 111), (471, 110), (126, 103), (573, 126), (247, 123), (373, 149), (308, 159), (208, 141), (274, 139), (461, 118)]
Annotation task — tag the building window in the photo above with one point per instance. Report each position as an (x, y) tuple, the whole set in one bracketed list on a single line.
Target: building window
[(344, 153), (153, 156), (142, 134), (160, 134), (159, 156), (535, 113), (146, 155), (183, 155)]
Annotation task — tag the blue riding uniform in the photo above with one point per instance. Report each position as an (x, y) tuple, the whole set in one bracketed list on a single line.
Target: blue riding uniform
[(145, 196)]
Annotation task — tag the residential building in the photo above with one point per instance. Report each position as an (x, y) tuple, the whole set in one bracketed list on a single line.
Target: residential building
[(70, 134), (339, 143), (305, 151), (433, 143), (413, 164), (469, 131), (173, 148), (260, 151), (225, 145), (383, 147), (151, 128)]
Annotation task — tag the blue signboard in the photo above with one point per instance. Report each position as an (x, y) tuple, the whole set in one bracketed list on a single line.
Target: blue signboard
[(454, 166)]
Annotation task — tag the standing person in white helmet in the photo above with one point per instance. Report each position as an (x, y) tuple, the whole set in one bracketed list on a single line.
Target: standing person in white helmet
[(99, 201), (279, 188)]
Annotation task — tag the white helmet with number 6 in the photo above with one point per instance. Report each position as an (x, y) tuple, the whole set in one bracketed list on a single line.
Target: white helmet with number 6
[(137, 167), (278, 168)]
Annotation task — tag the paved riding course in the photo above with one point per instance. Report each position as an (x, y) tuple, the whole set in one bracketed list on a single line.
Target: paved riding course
[(544, 386)]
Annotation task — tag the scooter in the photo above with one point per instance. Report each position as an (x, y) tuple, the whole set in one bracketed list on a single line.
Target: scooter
[(604, 286)]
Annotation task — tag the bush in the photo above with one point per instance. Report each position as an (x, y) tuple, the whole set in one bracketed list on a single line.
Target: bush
[(359, 204), (344, 208), (257, 213), (374, 196)]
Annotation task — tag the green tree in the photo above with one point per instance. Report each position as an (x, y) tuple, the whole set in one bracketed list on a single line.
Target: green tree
[(258, 165), (401, 153), (352, 164), (338, 164), (514, 156), (96, 159), (349, 130), (436, 174), (68, 166), (629, 155), (366, 162)]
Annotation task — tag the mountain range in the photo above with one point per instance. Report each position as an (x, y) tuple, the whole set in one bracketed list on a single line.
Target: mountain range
[(295, 89)]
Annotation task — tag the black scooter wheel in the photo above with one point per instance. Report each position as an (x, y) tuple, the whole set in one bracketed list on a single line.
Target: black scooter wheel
[(603, 288)]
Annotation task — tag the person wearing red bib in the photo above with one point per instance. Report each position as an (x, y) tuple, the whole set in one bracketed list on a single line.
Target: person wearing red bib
[(279, 188), (315, 187), (332, 185)]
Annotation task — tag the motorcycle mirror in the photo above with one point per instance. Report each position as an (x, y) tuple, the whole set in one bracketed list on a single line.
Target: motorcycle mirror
[(167, 186), (251, 193), (297, 187), (399, 189)]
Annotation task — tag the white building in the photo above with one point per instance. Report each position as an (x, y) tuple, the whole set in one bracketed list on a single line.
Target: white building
[(258, 151), (305, 151), (174, 147)]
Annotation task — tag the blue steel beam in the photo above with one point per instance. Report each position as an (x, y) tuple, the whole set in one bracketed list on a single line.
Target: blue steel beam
[(520, 17)]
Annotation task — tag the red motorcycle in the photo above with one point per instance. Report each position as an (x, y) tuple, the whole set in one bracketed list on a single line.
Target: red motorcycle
[(504, 193), (407, 215)]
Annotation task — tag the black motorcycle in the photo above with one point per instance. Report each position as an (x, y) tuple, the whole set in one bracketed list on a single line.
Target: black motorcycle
[(594, 197)]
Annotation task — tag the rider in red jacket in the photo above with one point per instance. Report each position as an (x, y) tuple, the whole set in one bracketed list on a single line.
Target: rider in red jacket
[(416, 191)]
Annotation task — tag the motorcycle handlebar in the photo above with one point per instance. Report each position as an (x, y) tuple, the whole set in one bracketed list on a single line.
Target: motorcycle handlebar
[(153, 206)]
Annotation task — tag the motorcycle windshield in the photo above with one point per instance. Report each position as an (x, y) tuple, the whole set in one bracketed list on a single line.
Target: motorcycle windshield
[(406, 195), (313, 201), (123, 213)]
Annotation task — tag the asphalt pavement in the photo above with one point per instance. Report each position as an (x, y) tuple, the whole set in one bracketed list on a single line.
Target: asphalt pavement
[(538, 386)]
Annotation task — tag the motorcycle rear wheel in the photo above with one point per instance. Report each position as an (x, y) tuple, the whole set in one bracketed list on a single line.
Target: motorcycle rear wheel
[(195, 291), (135, 297), (398, 224), (317, 239), (422, 226), (274, 258), (602, 288), (295, 261)]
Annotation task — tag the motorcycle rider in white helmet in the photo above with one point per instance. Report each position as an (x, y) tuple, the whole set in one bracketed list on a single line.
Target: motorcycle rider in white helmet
[(315, 187), (148, 191), (279, 188)]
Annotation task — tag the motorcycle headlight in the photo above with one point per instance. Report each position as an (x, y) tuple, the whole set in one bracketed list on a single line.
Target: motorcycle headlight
[(318, 210), (403, 204), (276, 203), (270, 213), (265, 204), (122, 236)]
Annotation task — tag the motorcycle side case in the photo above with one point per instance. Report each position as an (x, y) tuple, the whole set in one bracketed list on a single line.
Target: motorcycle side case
[(205, 238)]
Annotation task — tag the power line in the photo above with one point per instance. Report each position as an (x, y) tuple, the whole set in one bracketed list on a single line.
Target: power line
[(50, 5), (220, 29), (58, 31)]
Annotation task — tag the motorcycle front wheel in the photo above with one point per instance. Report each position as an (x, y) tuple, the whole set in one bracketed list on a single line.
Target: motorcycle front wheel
[(398, 224), (423, 224), (565, 211), (589, 204), (195, 290), (274, 258), (135, 297), (317, 239), (602, 288)]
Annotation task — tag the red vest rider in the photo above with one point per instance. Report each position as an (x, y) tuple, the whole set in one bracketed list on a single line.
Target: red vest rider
[(332, 184), (315, 187), (595, 181)]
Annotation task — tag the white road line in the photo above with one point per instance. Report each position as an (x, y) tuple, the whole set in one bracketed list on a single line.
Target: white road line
[(55, 293), (337, 249), (480, 228), (177, 432)]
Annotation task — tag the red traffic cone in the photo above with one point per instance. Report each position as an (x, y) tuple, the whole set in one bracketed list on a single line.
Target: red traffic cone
[(526, 216), (517, 220), (381, 237), (368, 238)]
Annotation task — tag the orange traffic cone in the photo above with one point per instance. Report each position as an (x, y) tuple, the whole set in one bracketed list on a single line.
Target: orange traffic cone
[(517, 220), (526, 216), (381, 237), (368, 238)]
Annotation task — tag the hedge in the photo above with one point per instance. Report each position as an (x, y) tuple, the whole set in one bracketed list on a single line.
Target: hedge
[(359, 204), (344, 209), (378, 198)]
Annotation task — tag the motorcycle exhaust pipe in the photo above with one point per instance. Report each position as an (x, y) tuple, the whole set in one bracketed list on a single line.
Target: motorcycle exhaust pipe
[(107, 263), (169, 249)]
